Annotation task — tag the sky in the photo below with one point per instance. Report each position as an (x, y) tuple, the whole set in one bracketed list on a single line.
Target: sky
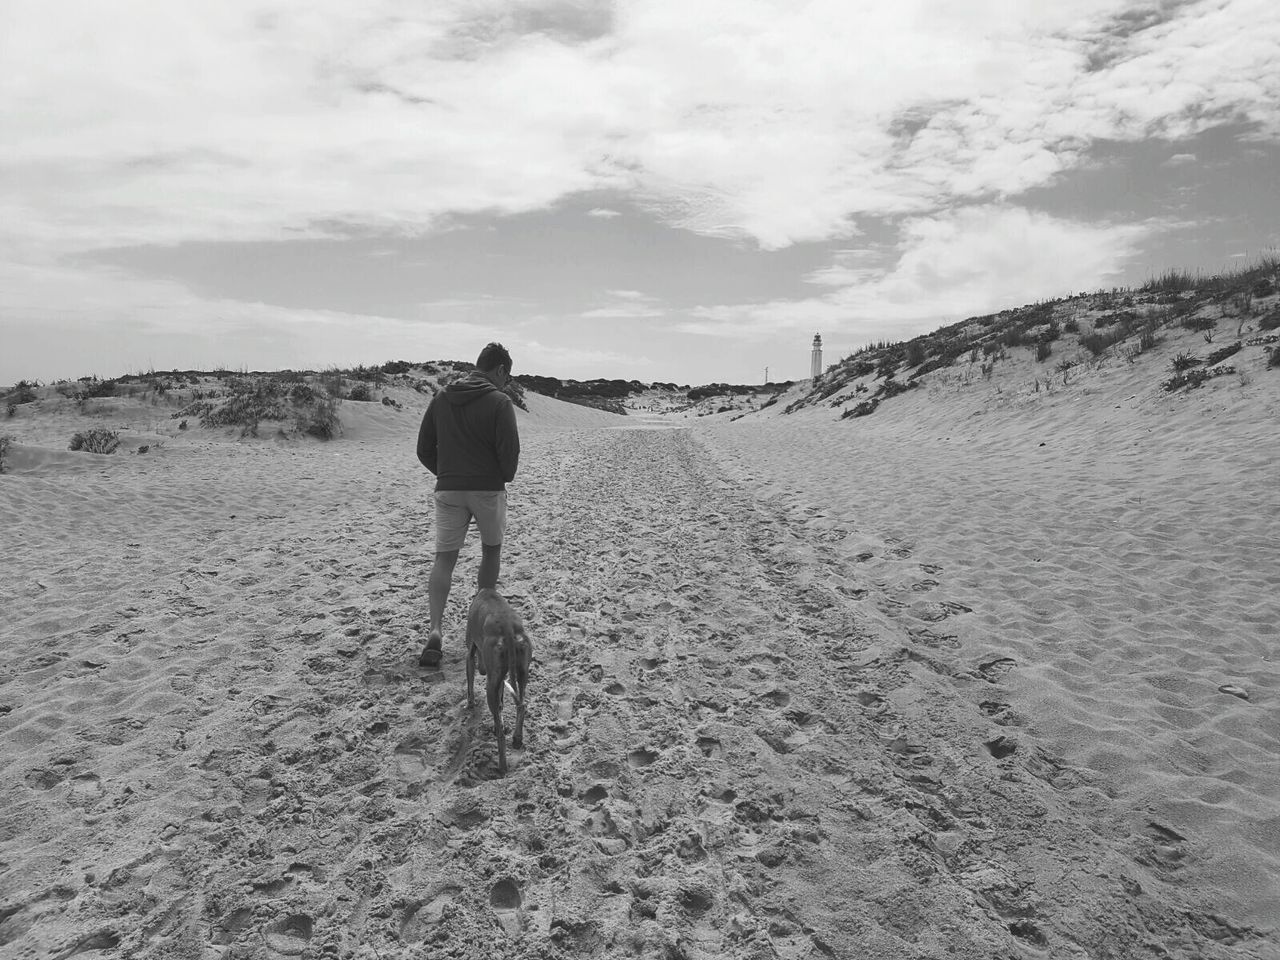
[(637, 189)]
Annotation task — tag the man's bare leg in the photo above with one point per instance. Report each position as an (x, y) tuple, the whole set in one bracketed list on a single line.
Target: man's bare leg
[(438, 598), (490, 566)]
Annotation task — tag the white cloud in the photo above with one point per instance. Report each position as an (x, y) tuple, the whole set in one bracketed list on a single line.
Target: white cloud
[(603, 212), (532, 354), (969, 262), (626, 305), (144, 122)]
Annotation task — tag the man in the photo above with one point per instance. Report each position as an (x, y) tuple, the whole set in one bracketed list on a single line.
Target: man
[(469, 440)]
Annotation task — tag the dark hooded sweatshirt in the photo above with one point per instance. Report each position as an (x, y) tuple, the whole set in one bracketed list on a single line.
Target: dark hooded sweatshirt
[(468, 437)]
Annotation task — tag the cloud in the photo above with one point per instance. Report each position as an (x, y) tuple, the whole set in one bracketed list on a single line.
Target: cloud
[(603, 212), (626, 305), (1180, 160), (533, 354), (967, 262), (65, 322), (252, 119)]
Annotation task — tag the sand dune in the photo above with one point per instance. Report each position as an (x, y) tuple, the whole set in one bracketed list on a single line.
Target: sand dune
[(939, 691)]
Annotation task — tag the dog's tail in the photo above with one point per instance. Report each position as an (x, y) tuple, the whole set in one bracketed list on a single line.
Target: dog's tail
[(521, 651)]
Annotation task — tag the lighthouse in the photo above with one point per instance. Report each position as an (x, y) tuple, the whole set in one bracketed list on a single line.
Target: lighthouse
[(815, 365)]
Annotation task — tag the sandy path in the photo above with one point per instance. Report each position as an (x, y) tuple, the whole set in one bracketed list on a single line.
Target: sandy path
[(217, 742)]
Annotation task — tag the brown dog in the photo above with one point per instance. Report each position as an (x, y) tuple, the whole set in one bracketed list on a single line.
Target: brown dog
[(495, 632)]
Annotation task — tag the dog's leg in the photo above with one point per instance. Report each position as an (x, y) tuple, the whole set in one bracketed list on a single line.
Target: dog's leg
[(520, 674), (471, 675), (494, 689)]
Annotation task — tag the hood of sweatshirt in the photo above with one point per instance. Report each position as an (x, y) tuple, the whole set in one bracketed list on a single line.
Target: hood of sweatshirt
[(471, 387)]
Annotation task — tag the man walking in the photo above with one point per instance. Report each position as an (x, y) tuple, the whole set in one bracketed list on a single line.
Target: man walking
[(469, 440)]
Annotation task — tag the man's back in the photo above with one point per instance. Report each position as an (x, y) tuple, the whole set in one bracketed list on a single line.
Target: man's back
[(469, 438)]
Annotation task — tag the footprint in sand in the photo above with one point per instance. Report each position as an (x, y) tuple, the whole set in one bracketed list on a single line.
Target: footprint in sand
[(852, 593), (230, 926), (1001, 747), (722, 794), (641, 758), (85, 788), (779, 698), (422, 918), (1164, 847), (609, 837), (594, 795), (43, 778), (410, 758), (993, 671), (1029, 933), (289, 935), (505, 900), (999, 713), (465, 815)]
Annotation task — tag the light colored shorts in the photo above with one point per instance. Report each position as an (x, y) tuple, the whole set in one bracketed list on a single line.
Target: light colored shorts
[(455, 509)]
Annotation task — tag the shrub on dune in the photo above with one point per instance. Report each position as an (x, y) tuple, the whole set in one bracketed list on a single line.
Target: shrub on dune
[(5, 443), (96, 441), (22, 392), (320, 419), (251, 400)]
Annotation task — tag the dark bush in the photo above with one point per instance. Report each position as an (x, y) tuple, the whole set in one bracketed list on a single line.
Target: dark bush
[(1219, 355), (1199, 324), (1095, 343), (361, 392), (864, 409), (22, 392), (101, 388), (302, 394), (1013, 337), (1271, 321)]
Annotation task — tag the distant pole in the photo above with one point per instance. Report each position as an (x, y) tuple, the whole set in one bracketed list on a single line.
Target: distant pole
[(766, 374), (815, 366)]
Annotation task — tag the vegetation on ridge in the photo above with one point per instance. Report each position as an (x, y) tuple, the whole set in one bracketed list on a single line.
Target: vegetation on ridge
[(1085, 329)]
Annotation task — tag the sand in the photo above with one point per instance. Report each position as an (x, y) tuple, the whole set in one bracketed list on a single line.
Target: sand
[(910, 686)]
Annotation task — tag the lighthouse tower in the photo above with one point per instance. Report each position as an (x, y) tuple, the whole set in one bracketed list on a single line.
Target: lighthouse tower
[(815, 366)]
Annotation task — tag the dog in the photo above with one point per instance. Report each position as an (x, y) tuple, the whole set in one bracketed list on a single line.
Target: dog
[(495, 634)]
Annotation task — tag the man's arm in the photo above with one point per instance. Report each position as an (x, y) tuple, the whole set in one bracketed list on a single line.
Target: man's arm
[(507, 440), (428, 452)]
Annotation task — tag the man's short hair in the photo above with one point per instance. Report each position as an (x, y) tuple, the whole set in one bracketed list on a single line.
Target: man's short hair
[(493, 356)]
